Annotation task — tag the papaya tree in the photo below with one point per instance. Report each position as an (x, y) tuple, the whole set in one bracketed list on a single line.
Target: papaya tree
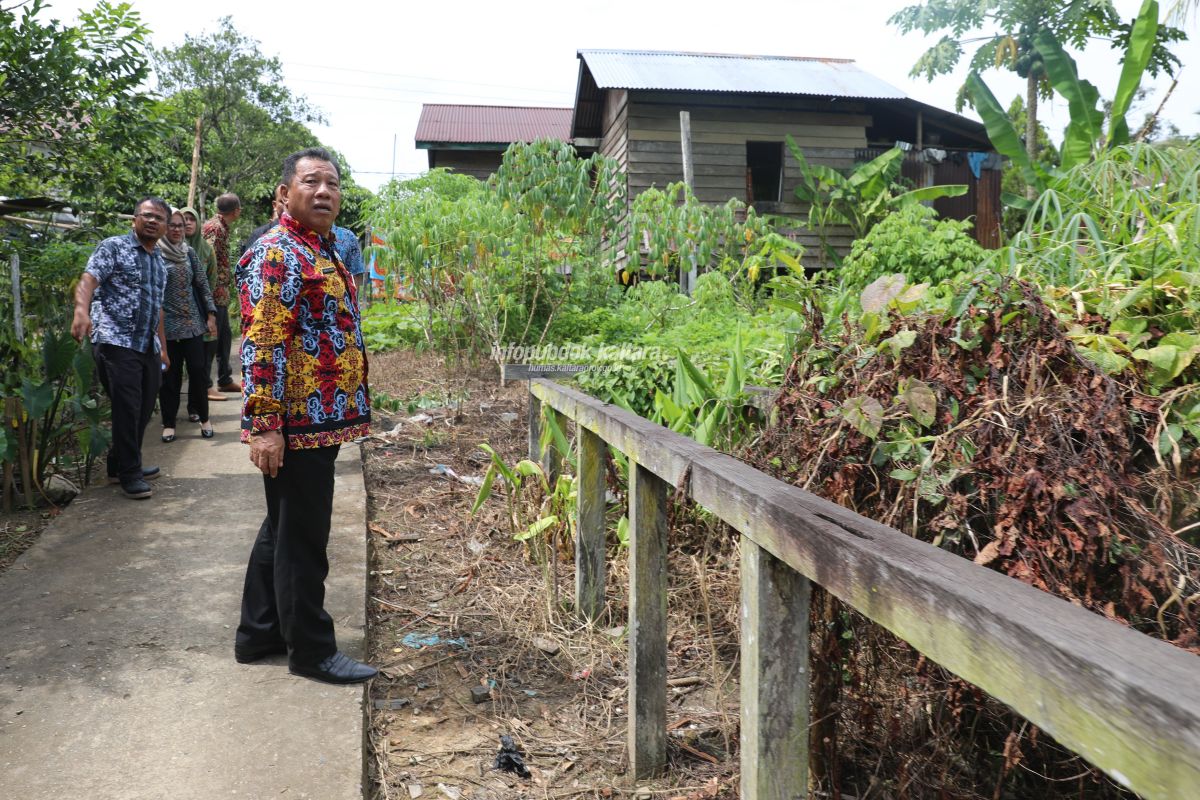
[(1086, 132), (1005, 33)]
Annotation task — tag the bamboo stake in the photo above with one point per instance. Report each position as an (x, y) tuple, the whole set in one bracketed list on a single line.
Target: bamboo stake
[(195, 167)]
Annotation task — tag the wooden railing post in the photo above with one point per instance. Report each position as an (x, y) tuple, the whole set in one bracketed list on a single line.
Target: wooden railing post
[(552, 459), (774, 678), (647, 739), (590, 536), (535, 426)]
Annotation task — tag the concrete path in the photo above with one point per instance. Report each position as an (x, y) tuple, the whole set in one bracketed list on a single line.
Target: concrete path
[(117, 678)]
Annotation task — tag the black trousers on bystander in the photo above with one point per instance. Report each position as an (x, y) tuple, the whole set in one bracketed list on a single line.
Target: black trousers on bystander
[(131, 380), (283, 600), (189, 352)]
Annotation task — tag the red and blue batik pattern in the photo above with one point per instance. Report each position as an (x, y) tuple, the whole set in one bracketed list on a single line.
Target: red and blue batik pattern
[(304, 365)]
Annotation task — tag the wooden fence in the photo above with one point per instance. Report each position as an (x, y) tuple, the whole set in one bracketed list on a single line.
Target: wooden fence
[(1126, 702)]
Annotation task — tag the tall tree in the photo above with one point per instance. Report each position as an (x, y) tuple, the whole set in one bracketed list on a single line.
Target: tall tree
[(1004, 30), (249, 120), (74, 119)]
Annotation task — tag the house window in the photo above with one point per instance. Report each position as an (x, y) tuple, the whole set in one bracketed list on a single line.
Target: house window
[(764, 171)]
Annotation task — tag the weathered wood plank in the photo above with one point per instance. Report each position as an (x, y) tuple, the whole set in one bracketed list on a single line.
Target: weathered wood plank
[(774, 677), (590, 563), (552, 459), (647, 736), (696, 101), (1128, 703), (707, 137), (535, 427), (764, 131), (754, 115)]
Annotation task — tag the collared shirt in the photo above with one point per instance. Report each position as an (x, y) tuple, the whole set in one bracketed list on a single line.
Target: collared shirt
[(304, 364), (349, 249), (216, 233), (187, 289), (129, 296)]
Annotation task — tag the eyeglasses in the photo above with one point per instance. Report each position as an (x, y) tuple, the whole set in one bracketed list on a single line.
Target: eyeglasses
[(174, 224), (152, 217)]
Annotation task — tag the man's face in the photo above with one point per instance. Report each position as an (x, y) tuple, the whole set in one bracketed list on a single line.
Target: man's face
[(149, 223), (189, 225), (314, 196)]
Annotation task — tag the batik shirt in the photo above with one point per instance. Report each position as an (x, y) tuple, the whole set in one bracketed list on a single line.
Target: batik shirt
[(349, 249), (304, 365), (216, 233), (129, 296)]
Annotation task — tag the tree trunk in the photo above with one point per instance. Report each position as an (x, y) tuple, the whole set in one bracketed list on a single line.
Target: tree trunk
[(1031, 125), (195, 169)]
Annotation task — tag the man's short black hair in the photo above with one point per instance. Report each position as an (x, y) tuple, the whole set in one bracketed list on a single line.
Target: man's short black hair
[(228, 203), (156, 201), (318, 153)]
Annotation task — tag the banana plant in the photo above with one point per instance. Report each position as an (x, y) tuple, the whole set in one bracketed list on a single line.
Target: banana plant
[(861, 198), (1085, 135)]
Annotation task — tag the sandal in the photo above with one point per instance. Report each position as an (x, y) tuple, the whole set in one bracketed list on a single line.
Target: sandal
[(168, 437), (207, 433)]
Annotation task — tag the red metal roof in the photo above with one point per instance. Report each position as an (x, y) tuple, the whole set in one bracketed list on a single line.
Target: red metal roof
[(459, 124)]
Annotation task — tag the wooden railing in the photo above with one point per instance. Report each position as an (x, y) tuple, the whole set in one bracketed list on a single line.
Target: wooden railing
[(1126, 702)]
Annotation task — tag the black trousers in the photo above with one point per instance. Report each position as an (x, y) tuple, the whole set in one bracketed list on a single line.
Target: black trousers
[(219, 349), (130, 379), (284, 595), (189, 352)]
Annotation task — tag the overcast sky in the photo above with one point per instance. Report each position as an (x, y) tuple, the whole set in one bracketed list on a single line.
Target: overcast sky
[(370, 65)]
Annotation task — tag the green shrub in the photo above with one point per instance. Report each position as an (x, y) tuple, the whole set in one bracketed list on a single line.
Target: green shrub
[(913, 243), (387, 326)]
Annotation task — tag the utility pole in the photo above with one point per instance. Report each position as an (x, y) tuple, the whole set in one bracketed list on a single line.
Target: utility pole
[(393, 156), (195, 168), (685, 138)]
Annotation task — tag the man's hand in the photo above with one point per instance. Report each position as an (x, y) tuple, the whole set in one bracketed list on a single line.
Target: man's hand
[(221, 296), (212, 324), (81, 324), (166, 359), (266, 452)]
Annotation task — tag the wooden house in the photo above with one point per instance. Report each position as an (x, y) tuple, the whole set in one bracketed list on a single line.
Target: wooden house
[(741, 108), (472, 139)]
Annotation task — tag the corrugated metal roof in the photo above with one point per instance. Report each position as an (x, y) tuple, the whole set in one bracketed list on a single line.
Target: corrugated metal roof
[(714, 72), (491, 124)]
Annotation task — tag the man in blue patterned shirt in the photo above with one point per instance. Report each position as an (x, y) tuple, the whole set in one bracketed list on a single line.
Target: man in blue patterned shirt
[(118, 303), (350, 251)]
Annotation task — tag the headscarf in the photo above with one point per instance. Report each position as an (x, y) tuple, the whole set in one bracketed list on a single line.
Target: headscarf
[(196, 240), (174, 253)]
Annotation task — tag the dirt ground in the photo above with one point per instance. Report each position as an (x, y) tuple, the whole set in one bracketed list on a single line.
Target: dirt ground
[(475, 638)]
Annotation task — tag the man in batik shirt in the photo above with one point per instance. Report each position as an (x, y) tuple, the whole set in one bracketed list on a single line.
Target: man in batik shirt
[(304, 369), (351, 252), (216, 233), (118, 303)]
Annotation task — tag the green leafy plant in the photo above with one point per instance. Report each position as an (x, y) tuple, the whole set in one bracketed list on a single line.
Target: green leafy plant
[(912, 242)]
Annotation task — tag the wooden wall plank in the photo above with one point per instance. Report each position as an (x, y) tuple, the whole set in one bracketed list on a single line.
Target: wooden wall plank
[(590, 563), (1127, 703), (699, 100), (774, 677), (647, 735)]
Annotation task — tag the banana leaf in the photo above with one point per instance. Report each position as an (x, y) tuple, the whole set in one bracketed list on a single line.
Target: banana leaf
[(930, 193), (1001, 132), (1137, 58), (1086, 128)]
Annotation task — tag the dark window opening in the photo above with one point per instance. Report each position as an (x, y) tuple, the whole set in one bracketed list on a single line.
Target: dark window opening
[(764, 171)]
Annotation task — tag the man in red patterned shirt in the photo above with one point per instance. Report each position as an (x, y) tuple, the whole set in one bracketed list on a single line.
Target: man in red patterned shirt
[(216, 233), (304, 368)]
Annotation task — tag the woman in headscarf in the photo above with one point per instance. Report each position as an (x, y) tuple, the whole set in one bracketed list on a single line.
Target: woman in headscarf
[(208, 263), (186, 293)]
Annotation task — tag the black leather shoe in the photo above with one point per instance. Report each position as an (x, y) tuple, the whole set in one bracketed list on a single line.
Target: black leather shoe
[(138, 490), (148, 474), (249, 654), (339, 668)]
